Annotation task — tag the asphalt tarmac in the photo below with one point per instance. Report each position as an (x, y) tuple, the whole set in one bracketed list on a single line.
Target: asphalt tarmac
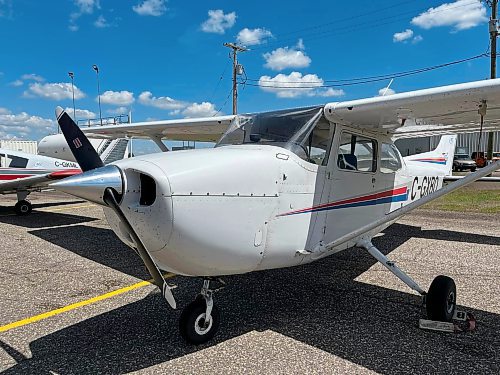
[(342, 315)]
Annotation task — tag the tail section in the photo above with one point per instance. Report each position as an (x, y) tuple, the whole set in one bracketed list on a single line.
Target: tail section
[(440, 158)]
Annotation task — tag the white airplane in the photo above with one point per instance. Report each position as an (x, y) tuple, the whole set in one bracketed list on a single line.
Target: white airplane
[(22, 173), (282, 188)]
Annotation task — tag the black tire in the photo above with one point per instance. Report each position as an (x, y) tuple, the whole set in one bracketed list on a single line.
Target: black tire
[(441, 299), (191, 320), (23, 207), (473, 169)]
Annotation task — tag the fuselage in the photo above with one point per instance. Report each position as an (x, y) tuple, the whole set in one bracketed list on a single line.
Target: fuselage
[(242, 208), (15, 165)]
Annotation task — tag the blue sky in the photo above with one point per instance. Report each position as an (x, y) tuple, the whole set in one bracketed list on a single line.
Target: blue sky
[(165, 59)]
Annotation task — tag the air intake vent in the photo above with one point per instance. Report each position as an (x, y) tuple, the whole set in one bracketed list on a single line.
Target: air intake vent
[(148, 190)]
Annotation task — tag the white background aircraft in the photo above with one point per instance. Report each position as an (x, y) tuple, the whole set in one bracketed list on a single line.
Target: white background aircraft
[(281, 188), (22, 173)]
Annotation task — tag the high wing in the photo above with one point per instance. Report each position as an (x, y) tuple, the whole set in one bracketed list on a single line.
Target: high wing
[(207, 129), (35, 182), (440, 110)]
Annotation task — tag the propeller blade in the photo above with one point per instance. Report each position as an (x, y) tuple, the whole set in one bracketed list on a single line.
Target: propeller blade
[(80, 146)]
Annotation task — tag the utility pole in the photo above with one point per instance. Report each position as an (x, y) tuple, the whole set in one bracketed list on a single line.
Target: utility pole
[(235, 49), (493, 65)]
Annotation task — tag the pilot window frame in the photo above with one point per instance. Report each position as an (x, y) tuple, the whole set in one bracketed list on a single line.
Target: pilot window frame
[(354, 141), (308, 142)]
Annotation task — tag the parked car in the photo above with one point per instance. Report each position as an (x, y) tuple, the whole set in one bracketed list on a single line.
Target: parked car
[(463, 162), (480, 158), (496, 156)]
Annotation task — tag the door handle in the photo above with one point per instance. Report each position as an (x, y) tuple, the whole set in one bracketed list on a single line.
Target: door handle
[(373, 180)]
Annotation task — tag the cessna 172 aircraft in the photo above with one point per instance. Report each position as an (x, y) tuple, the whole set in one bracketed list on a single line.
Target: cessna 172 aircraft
[(280, 189), (22, 173)]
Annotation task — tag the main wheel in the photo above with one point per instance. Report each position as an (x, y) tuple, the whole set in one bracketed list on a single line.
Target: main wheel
[(441, 299), (192, 325), (23, 207)]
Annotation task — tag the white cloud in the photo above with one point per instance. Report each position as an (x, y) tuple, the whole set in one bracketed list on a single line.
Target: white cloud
[(118, 111), (84, 7), (53, 91), (402, 36), (296, 85), (23, 125), (204, 109), (117, 97), (417, 39), (283, 58), (16, 83), (87, 6), (163, 102), (81, 113), (218, 22), (384, 91), (461, 15), (250, 37), (32, 77), (151, 8), (101, 22)]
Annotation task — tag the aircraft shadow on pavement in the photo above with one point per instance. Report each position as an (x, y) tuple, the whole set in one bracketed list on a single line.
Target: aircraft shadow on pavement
[(5, 210), (319, 304), (44, 219), (97, 244)]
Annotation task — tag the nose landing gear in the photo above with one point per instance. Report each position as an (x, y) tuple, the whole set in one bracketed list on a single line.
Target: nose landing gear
[(199, 321)]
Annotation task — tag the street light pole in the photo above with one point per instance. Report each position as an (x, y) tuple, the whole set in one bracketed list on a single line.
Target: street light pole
[(96, 68), (72, 75)]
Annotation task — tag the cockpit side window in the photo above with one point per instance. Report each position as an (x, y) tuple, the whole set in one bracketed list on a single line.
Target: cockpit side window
[(357, 153), (3, 161), (317, 144), (17, 162)]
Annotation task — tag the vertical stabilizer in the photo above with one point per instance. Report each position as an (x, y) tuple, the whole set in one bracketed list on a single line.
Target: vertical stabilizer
[(441, 157)]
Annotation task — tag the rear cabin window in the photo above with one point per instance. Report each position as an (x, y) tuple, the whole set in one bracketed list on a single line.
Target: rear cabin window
[(390, 160), (357, 153)]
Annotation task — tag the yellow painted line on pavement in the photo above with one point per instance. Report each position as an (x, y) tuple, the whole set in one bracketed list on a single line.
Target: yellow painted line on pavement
[(77, 305)]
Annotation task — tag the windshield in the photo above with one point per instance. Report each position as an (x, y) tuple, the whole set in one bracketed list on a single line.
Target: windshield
[(462, 157), (289, 129)]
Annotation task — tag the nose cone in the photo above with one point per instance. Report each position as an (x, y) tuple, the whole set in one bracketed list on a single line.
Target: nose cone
[(90, 185)]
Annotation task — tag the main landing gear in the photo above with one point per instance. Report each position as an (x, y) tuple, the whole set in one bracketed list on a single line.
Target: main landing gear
[(441, 299), (199, 321), (23, 207)]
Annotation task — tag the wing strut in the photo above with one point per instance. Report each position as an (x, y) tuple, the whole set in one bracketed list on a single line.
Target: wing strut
[(390, 265)]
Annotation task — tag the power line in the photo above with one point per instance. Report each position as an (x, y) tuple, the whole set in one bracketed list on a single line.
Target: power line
[(349, 28), (361, 80)]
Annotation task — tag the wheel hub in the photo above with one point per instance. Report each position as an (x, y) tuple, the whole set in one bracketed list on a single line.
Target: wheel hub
[(201, 326)]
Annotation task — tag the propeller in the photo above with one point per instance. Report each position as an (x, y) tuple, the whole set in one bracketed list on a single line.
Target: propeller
[(103, 184), (80, 146)]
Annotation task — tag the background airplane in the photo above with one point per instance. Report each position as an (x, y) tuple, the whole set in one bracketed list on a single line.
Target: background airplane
[(22, 173), (282, 188)]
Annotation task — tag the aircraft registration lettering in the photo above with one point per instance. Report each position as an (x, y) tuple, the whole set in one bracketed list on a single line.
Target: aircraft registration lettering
[(65, 164), (422, 186)]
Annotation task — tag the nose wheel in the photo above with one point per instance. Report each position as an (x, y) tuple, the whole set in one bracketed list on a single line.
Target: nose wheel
[(200, 320)]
